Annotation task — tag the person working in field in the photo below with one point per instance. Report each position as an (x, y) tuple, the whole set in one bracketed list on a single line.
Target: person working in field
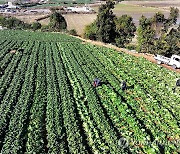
[(96, 82), (123, 85), (177, 85)]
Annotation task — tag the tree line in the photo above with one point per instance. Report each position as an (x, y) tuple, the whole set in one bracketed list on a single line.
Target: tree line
[(156, 35), (57, 23)]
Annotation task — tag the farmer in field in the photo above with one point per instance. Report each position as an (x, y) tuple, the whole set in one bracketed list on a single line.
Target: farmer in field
[(96, 82), (177, 85), (124, 85)]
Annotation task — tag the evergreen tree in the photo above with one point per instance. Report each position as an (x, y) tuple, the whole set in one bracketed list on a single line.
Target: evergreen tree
[(105, 23), (174, 14), (173, 43), (145, 36), (125, 29)]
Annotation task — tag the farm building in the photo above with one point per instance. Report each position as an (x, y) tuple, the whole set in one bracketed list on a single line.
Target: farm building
[(11, 6), (79, 9)]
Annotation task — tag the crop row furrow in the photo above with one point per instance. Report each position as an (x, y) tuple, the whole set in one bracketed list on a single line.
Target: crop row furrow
[(75, 140), (12, 94), (101, 120), (16, 134), (7, 47), (92, 133), (54, 119), (6, 79), (36, 142)]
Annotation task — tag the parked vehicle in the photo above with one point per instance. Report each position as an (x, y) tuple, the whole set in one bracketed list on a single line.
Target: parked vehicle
[(174, 61)]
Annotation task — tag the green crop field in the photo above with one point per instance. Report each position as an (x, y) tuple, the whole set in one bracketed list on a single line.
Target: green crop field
[(3, 1), (48, 103), (56, 3), (129, 8)]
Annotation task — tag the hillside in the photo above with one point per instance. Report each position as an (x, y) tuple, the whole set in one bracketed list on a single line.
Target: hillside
[(48, 103)]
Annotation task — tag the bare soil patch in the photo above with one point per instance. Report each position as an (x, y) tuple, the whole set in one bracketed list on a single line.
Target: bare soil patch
[(79, 21), (30, 18)]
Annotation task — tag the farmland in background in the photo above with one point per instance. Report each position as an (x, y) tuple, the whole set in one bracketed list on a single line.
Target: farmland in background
[(162, 5), (48, 103), (57, 3), (147, 8), (2, 1), (74, 21), (132, 8)]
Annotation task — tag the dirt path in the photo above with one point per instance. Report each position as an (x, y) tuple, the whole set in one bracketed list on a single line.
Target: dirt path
[(146, 56)]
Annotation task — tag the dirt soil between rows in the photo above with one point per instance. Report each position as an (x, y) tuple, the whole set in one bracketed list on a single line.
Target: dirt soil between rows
[(149, 57)]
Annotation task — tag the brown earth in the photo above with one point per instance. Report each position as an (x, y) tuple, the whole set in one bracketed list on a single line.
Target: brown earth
[(30, 18), (149, 57), (75, 21)]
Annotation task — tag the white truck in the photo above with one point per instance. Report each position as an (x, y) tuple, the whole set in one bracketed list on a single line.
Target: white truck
[(174, 61)]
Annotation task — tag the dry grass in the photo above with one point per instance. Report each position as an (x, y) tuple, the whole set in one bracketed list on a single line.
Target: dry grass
[(79, 21), (30, 18), (74, 21)]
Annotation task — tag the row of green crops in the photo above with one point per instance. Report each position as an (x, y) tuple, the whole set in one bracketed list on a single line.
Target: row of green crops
[(172, 122), (36, 36), (48, 103)]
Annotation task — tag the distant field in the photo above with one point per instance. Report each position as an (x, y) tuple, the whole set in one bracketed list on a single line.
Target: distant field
[(56, 3), (2, 1), (163, 4), (135, 11), (147, 8), (79, 21), (133, 8), (76, 21)]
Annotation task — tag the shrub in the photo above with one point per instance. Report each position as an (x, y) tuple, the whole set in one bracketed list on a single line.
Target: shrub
[(90, 31), (36, 26), (57, 22), (73, 32)]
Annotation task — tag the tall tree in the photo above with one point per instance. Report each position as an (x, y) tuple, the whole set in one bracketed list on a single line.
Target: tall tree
[(158, 24), (125, 29), (105, 23), (145, 35), (173, 43), (174, 14)]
